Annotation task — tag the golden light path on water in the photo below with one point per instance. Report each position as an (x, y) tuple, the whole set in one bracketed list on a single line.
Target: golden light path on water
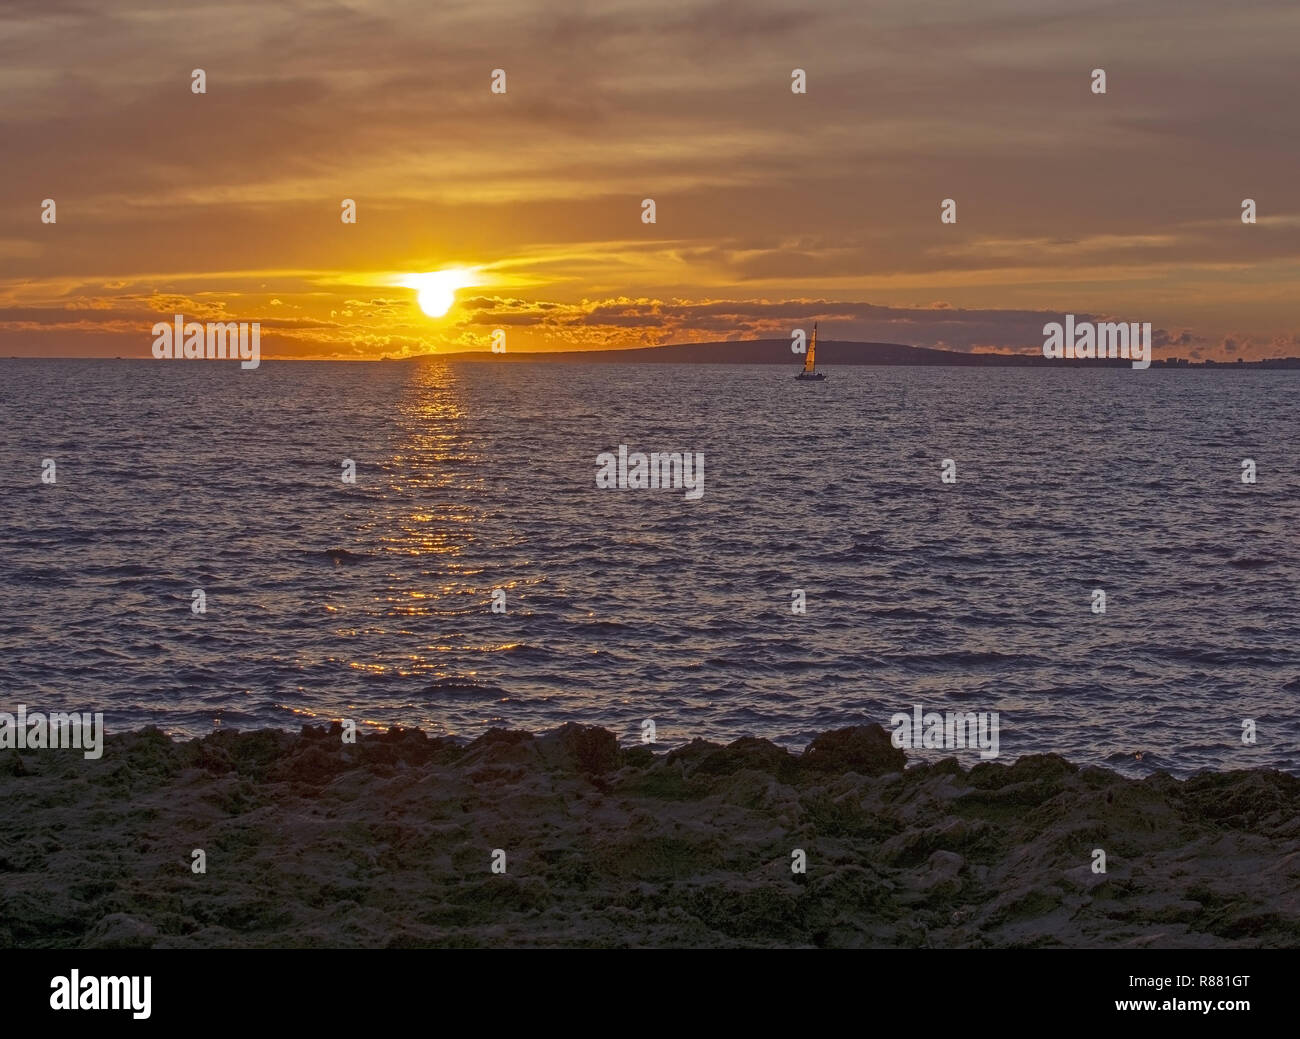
[(428, 581)]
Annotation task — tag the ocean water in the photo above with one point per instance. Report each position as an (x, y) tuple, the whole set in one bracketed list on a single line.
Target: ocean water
[(372, 600)]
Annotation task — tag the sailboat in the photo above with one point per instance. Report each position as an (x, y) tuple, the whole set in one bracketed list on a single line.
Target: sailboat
[(808, 375)]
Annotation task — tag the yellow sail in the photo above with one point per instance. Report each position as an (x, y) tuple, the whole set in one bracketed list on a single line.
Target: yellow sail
[(812, 350)]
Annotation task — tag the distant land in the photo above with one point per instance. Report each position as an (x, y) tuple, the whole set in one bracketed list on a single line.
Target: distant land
[(830, 352)]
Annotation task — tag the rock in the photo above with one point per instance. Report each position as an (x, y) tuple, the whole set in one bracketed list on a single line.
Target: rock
[(1042, 771), (747, 753), (638, 757), (1082, 878), (916, 844), (314, 764), (588, 748), (866, 749), (692, 753), (499, 747), (941, 871), (692, 848), (120, 931)]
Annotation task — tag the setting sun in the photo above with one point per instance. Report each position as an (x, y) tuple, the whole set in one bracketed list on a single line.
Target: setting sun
[(436, 290)]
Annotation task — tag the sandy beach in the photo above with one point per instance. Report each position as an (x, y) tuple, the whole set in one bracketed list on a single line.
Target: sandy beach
[(390, 841)]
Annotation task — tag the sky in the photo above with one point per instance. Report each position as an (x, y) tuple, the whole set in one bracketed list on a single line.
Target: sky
[(773, 209)]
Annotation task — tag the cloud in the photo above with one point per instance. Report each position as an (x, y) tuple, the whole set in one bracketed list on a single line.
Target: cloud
[(608, 322), (1124, 204)]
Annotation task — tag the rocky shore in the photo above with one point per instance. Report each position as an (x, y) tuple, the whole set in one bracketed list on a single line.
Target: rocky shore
[(390, 842)]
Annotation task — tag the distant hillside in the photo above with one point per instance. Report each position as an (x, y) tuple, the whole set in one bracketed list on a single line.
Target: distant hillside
[(758, 351), (830, 353)]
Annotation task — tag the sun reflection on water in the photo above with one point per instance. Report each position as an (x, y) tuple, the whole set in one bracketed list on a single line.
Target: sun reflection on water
[(432, 528)]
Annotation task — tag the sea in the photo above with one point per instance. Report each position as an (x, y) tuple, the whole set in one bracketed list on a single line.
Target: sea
[(179, 547)]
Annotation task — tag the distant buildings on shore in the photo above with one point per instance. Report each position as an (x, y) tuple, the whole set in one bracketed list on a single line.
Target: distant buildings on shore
[(1268, 362)]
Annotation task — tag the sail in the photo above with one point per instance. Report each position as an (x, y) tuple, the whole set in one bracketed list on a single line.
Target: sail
[(812, 350)]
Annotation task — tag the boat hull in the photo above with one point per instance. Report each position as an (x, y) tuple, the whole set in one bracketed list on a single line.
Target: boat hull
[(810, 377)]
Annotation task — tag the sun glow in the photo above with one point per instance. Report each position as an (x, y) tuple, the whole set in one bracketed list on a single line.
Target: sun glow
[(435, 292)]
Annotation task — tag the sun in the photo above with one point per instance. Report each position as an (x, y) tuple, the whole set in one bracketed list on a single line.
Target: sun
[(435, 300), (435, 291)]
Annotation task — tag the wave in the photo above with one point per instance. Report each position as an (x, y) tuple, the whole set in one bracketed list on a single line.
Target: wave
[(337, 556), (464, 687)]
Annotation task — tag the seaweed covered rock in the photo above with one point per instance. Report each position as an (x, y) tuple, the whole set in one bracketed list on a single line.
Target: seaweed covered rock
[(865, 749)]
